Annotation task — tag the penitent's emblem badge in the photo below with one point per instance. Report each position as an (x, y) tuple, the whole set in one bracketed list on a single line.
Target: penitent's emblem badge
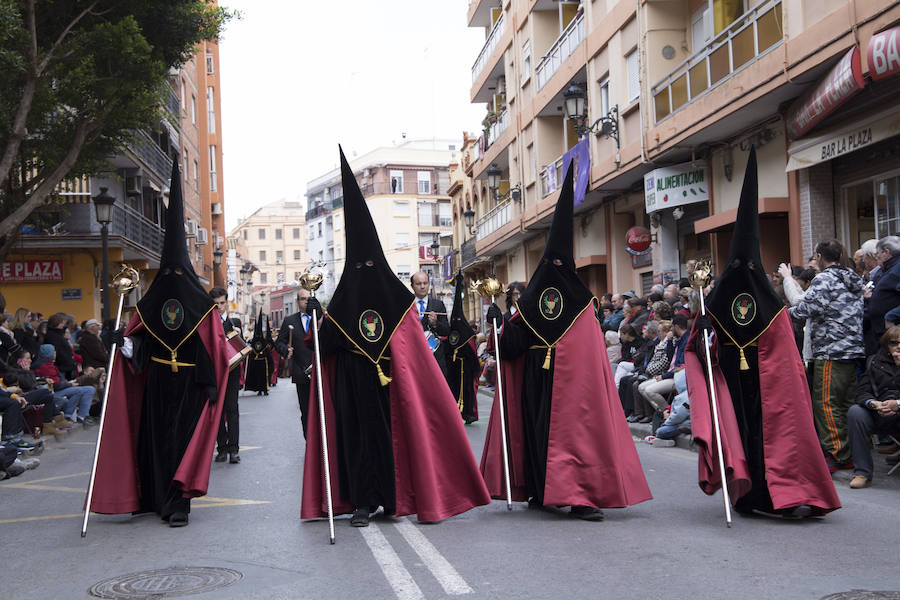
[(743, 309), (259, 346), (453, 338), (550, 303), (371, 325), (172, 314)]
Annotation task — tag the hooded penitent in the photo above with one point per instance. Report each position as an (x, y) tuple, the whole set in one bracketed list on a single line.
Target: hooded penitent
[(770, 449), (569, 444), (259, 365), (165, 399), (462, 362), (394, 433)]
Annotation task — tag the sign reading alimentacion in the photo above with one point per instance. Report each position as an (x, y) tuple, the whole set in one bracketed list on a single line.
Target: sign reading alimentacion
[(676, 186)]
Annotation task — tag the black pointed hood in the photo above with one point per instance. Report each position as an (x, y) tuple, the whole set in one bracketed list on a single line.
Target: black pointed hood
[(259, 339), (460, 330), (555, 295), (176, 302), (369, 300), (743, 302)]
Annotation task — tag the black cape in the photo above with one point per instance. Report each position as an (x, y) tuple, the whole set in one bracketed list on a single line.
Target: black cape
[(462, 363), (259, 361)]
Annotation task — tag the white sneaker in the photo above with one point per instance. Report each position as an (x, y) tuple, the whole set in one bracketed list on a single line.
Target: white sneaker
[(661, 443)]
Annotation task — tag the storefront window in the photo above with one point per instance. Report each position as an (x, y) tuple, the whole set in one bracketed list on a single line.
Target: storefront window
[(887, 201)]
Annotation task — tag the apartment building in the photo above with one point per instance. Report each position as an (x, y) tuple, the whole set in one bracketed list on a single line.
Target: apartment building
[(406, 190), (271, 244), (69, 253), (660, 102)]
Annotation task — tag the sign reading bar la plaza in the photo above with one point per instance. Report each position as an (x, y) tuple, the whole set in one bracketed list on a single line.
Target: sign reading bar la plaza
[(840, 141), (32, 270), (675, 186)]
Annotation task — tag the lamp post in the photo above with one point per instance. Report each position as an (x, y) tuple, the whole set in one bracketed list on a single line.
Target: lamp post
[(469, 216), (103, 207), (493, 175), (575, 102), (217, 264)]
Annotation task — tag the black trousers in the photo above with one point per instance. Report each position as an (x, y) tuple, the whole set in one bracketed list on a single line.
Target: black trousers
[(303, 388), (862, 423), (229, 427), (13, 422)]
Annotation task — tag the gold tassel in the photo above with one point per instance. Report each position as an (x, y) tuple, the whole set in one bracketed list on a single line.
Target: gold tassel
[(384, 379), (744, 365), (454, 355), (547, 358), (459, 401)]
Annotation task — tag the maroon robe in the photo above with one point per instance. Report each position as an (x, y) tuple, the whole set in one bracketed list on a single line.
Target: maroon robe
[(116, 488), (591, 457), (796, 472), (435, 472)]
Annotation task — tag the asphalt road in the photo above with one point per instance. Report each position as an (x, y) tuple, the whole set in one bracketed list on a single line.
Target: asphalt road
[(675, 546)]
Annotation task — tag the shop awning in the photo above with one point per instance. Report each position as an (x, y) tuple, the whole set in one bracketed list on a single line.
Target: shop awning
[(842, 140)]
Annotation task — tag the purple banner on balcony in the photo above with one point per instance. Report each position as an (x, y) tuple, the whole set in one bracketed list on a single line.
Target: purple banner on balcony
[(581, 154)]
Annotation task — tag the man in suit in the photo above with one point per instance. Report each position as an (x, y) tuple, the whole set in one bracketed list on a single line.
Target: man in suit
[(432, 314), (291, 347), (227, 441)]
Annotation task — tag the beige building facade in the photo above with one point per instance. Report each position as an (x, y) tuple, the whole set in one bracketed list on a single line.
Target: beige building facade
[(675, 93)]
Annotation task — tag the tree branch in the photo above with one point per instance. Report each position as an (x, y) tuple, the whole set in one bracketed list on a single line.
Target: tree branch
[(59, 40)]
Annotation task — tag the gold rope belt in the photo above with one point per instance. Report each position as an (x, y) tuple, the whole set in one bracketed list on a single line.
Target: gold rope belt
[(172, 363), (549, 348), (384, 379)]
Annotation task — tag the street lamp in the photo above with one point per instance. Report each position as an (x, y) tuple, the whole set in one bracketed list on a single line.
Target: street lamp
[(575, 102), (103, 207), (493, 175), (469, 216), (217, 257)]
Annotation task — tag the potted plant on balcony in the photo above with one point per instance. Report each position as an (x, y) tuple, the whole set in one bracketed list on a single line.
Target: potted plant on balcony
[(490, 119)]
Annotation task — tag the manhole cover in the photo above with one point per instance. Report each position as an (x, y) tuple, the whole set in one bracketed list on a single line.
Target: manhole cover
[(165, 583), (863, 595)]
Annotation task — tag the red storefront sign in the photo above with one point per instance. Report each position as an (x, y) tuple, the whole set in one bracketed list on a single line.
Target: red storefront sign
[(32, 270), (637, 241), (841, 83), (883, 54)]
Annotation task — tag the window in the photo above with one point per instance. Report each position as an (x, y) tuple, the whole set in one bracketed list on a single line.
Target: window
[(296, 233), (312, 232), (338, 252), (210, 110), (245, 235), (424, 180), (396, 182), (262, 256), (196, 175), (279, 257), (632, 69), (261, 233), (278, 234), (213, 180), (320, 229), (403, 272), (280, 277), (401, 240), (532, 166), (446, 217), (185, 167), (263, 278), (401, 208), (526, 61), (701, 28), (210, 64), (321, 255), (604, 97), (193, 109), (296, 255), (183, 104), (297, 275)]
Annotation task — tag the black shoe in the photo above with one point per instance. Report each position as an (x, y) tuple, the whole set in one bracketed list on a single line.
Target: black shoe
[(587, 513), (644, 420), (233, 458), (178, 519), (360, 518), (470, 420), (221, 457), (631, 418)]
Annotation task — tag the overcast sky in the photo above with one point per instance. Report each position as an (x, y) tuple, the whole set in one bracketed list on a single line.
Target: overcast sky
[(300, 77)]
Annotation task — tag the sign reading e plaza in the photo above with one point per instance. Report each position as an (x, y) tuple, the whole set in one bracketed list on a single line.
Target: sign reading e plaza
[(675, 186), (32, 270)]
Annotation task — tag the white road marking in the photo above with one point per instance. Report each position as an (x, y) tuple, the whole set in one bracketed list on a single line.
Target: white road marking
[(391, 565), (439, 566)]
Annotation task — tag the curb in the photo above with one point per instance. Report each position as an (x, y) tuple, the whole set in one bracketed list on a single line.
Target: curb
[(642, 430)]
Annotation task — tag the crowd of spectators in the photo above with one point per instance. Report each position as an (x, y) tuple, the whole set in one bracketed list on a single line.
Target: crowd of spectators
[(52, 375)]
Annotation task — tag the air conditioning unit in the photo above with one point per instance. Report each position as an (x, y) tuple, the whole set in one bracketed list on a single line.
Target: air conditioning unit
[(277, 261), (202, 236), (216, 208), (133, 186), (191, 228)]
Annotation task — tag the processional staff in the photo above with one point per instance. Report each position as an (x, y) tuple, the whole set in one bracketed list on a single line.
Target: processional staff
[(125, 280)]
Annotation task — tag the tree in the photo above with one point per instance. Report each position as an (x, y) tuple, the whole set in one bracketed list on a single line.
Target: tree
[(77, 79)]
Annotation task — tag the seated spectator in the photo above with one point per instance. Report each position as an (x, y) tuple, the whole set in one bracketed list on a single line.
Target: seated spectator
[(68, 394), (654, 390), (8, 344), (683, 307), (883, 306), (877, 408), (670, 295), (614, 321), (23, 330), (628, 343), (678, 416), (56, 337), (13, 427), (613, 348), (90, 346), (661, 355), (21, 380), (662, 311)]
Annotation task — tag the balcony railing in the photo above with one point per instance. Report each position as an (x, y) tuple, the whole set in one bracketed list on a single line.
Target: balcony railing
[(467, 252), (496, 218), (136, 228), (173, 104), (147, 150), (497, 128), (561, 49), (489, 46), (755, 33)]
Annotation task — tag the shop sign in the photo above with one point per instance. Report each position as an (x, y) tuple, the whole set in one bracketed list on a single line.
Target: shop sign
[(637, 241), (883, 55), (675, 186), (32, 270), (805, 153), (841, 83)]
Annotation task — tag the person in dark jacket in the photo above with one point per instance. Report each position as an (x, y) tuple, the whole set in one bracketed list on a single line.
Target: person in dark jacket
[(23, 331), (56, 337), (883, 307), (877, 408), (91, 347)]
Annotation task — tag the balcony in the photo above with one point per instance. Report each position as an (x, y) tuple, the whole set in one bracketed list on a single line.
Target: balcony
[(755, 33), (489, 46), (495, 218), (155, 159), (173, 104), (325, 208), (136, 228), (561, 49), (497, 128)]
